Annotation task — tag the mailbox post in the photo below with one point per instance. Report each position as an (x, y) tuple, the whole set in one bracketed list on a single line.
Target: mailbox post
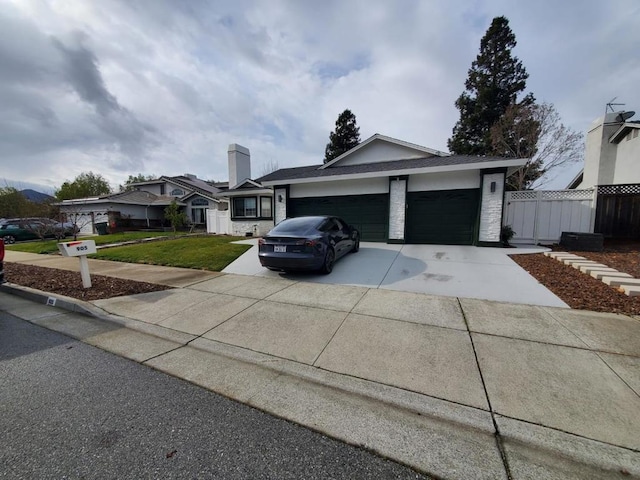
[(80, 249)]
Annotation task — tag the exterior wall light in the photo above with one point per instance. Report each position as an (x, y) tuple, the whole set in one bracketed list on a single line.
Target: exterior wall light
[(493, 187)]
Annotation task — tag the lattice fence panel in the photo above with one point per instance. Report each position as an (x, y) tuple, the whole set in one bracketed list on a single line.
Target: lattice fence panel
[(627, 189), (567, 194)]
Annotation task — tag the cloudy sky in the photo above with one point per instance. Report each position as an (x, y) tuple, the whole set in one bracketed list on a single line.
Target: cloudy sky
[(162, 87)]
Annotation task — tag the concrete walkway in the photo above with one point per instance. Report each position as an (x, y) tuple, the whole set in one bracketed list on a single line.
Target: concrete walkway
[(455, 387)]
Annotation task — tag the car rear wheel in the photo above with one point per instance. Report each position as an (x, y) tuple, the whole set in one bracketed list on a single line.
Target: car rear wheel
[(9, 239), (329, 260)]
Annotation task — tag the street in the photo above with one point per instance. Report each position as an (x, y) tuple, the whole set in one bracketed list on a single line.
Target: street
[(72, 411)]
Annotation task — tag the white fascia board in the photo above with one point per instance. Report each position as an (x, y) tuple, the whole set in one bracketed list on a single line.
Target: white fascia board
[(518, 162), (248, 193)]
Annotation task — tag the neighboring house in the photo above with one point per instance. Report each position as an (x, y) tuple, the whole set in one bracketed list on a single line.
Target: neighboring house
[(612, 153), (251, 202), (612, 167), (143, 207), (398, 192)]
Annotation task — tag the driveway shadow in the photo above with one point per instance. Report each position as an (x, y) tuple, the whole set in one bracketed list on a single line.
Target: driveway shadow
[(366, 268)]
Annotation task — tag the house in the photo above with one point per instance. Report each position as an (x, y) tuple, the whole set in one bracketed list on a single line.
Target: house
[(612, 153), (398, 192), (206, 204), (612, 167)]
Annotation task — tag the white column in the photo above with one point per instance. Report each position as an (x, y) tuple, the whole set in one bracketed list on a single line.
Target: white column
[(397, 208)]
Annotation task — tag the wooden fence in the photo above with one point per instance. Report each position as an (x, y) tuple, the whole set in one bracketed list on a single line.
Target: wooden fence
[(618, 211)]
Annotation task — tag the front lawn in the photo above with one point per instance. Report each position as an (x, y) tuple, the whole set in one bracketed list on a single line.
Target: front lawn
[(202, 252), (51, 246)]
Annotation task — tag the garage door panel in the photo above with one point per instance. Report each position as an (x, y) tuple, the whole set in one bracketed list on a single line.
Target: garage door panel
[(367, 213), (446, 217)]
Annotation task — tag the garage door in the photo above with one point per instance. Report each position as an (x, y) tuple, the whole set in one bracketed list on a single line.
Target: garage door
[(447, 216), (368, 213)]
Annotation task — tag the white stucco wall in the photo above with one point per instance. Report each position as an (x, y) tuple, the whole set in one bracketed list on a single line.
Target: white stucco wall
[(380, 151), (342, 187), (628, 159), (397, 209), (491, 210), (444, 181)]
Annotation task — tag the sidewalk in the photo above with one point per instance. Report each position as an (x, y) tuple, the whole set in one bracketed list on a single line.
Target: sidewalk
[(458, 388)]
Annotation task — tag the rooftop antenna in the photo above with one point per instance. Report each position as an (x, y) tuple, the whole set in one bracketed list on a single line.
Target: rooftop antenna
[(611, 105)]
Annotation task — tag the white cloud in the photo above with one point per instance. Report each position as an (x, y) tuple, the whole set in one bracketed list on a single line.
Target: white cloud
[(163, 87)]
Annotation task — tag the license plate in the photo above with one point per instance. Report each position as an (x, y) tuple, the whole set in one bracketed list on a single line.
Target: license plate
[(279, 248)]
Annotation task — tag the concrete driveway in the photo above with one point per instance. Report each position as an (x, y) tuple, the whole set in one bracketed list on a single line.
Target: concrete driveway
[(450, 270)]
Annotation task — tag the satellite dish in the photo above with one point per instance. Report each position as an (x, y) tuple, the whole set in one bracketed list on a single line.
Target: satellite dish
[(624, 116)]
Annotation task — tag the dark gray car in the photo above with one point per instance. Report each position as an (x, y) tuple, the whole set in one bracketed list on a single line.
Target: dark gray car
[(307, 243)]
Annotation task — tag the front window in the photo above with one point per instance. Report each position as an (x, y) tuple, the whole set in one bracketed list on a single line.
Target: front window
[(245, 207), (177, 192), (265, 207)]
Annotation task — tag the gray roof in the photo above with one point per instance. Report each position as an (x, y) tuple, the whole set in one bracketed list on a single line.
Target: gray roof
[(313, 171)]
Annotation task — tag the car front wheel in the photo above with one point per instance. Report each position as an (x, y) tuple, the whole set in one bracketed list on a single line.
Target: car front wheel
[(329, 260), (356, 246), (9, 239)]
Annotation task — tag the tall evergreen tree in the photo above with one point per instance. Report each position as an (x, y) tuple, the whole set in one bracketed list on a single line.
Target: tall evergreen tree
[(344, 138), (495, 80)]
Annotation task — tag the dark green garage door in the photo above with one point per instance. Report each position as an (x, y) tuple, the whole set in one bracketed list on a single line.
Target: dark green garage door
[(445, 216), (368, 213)]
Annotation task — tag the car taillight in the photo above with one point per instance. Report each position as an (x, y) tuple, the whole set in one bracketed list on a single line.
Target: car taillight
[(310, 243), (261, 241), (1, 249)]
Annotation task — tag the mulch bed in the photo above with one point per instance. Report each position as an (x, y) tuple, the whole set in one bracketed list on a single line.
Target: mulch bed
[(68, 283), (581, 291)]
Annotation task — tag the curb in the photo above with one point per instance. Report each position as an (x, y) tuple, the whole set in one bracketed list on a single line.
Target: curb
[(542, 449)]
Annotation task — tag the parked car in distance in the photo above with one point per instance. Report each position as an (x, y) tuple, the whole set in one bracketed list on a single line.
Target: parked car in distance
[(18, 229), (1, 260), (307, 243)]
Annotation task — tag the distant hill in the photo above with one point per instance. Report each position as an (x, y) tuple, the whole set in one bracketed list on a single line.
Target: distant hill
[(36, 197)]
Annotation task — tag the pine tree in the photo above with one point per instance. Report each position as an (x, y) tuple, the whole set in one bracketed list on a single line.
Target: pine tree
[(495, 80), (344, 138)]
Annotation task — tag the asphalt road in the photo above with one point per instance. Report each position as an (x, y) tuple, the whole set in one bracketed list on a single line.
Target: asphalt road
[(72, 411)]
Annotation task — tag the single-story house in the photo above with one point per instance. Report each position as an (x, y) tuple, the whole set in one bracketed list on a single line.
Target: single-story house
[(398, 192), (205, 203)]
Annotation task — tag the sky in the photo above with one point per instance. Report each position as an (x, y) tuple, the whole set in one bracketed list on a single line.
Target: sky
[(162, 87)]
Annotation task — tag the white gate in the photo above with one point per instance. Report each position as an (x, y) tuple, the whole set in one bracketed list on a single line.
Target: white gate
[(218, 221), (540, 216)]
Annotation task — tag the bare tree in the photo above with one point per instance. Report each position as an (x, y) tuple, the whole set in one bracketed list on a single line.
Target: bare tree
[(269, 166), (535, 132)]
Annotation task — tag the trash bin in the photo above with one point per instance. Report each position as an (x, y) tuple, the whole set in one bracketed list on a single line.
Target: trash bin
[(101, 228)]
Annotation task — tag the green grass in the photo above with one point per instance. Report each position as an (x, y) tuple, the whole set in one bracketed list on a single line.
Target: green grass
[(204, 253), (51, 246)]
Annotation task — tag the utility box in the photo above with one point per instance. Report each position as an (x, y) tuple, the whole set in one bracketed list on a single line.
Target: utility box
[(77, 249), (582, 242)]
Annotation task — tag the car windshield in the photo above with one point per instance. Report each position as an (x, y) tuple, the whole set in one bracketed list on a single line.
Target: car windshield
[(296, 226)]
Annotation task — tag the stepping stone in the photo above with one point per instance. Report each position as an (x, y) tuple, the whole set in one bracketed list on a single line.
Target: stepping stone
[(618, 281), (608, 272), (631, 290), (590, 268), (558, 255), (571, 261)]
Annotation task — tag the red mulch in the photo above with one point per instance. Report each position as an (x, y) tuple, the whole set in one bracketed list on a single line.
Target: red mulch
[(581, 291), (68, 283)]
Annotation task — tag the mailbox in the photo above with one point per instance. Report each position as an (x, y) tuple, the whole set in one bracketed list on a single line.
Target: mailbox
[(80, 249), (77, 249)]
